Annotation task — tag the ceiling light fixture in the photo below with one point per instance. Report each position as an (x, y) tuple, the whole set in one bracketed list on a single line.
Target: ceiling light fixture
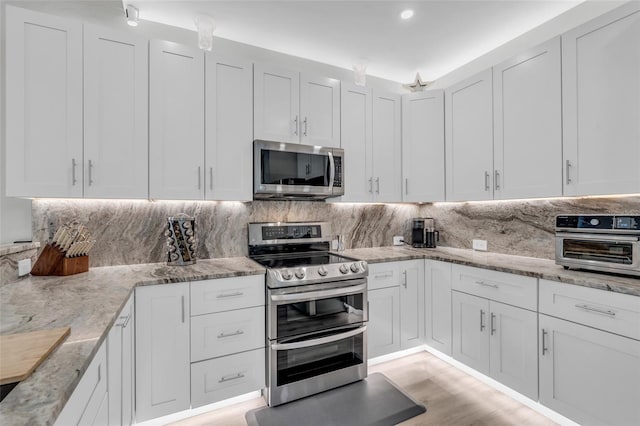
[(131, 13), (406, 14), (205, 26)]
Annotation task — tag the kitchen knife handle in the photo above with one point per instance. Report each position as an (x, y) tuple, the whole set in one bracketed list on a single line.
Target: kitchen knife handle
[(73, 172), (90, 173)]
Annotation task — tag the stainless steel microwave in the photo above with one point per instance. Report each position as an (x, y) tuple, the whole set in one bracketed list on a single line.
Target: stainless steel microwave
[(290, 171), (606, 243)]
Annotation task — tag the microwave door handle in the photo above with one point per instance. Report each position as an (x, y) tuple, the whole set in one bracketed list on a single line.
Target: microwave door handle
[(320, 341), (332, 170)]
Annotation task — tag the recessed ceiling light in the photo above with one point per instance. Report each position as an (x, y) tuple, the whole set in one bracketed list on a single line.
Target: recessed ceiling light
[(406, 14)]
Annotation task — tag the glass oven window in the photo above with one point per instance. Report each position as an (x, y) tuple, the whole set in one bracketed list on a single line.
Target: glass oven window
[(601, 251), (294, 365), (292, 168), (313, 316)]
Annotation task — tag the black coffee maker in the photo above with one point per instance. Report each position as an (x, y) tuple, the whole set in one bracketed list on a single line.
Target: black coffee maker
[(423, 233)]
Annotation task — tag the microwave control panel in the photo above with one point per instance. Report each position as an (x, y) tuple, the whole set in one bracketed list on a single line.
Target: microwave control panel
[(599, 223)]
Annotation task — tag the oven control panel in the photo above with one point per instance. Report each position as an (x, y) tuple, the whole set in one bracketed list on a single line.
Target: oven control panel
[(618, 224)]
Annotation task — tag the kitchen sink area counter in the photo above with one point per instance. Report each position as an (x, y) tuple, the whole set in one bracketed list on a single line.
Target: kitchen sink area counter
[(89, 304), (520, 265)]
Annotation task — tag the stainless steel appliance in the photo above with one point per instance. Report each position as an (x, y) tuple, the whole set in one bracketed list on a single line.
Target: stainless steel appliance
[(423, 233), (289, 171), (317, 310), (607, 243)]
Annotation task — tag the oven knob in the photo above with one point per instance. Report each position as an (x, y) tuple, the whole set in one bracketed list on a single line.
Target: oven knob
[(287, 275), (322, 271), (344, 269), (354, 267), (300, 273)]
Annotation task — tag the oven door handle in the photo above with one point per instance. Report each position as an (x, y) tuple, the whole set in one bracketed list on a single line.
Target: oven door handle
[(320, 341), (596, 237), (313, 295)]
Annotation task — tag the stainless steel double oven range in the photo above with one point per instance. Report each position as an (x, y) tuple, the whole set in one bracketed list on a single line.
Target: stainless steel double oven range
[(317, 310)]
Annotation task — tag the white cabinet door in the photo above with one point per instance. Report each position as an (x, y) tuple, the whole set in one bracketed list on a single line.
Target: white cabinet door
[(528, 124), (387, 147), (514, 348), (471, 330), (115, 114), (355, 122), (469, 139), (229, 130), (276, 103), (384, 321), (43, 105), (319, 110), (588, 375), (162, 350), (423, 146), (437, 305), (120, 358), (176, 121), (601, 104), (411, 297)]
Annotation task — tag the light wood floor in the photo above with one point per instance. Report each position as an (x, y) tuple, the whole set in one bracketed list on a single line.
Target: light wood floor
[(451, 397)]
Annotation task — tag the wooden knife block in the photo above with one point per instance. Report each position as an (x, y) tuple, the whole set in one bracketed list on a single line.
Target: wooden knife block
[(53, 262)]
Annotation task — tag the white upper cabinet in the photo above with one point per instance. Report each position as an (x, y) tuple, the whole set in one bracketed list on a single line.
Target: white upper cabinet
[(469, 139), (43, 105), (387, 148), (423, 146), (276, 103), (601, 104), (528, 124), (176, 121), (229, 134), (355, 123), (296, 107), (115, 114), (319, 110)]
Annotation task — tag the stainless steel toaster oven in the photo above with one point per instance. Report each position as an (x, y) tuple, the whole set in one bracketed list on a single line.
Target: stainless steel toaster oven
[(606, 243)]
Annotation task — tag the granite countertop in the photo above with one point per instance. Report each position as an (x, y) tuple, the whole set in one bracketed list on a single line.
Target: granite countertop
[(6, 249), (529, 266), (89, 304)]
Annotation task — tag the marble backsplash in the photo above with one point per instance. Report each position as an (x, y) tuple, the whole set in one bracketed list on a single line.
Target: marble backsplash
[(131, 231)]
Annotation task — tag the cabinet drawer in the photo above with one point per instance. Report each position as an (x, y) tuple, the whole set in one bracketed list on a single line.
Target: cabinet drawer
[(614, 312), (503, 287), (226, 333), (225, 294), (226, 377), (382, 275)]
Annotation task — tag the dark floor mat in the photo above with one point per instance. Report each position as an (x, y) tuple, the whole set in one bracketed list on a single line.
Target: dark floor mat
[(372, 401)]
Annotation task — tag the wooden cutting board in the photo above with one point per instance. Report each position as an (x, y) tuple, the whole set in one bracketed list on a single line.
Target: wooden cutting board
[(22, 353)]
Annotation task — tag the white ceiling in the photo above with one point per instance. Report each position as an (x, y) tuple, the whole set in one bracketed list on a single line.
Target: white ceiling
[(442, 35)]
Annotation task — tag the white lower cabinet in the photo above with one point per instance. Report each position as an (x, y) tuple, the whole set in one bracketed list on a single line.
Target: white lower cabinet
[(412, 311), (437, 305), (89, 405), (120, 359), (162, 350), (383, 331)]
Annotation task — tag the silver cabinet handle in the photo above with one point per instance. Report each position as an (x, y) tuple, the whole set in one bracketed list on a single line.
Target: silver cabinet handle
[(230, 378), (199, 178), (211, 178), (486, 181), (124, 323), (99, 372), (235, 333), (371, 185), (568, 167), (406, 186), (225, 295), (496, 178), (481, 320), (73, 172), (544, 339), (182, 307), (405, 279), (596, 310), (377, 185), (90, 172), (487, 284), (493, 327), (295, 120), (305, 126)]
